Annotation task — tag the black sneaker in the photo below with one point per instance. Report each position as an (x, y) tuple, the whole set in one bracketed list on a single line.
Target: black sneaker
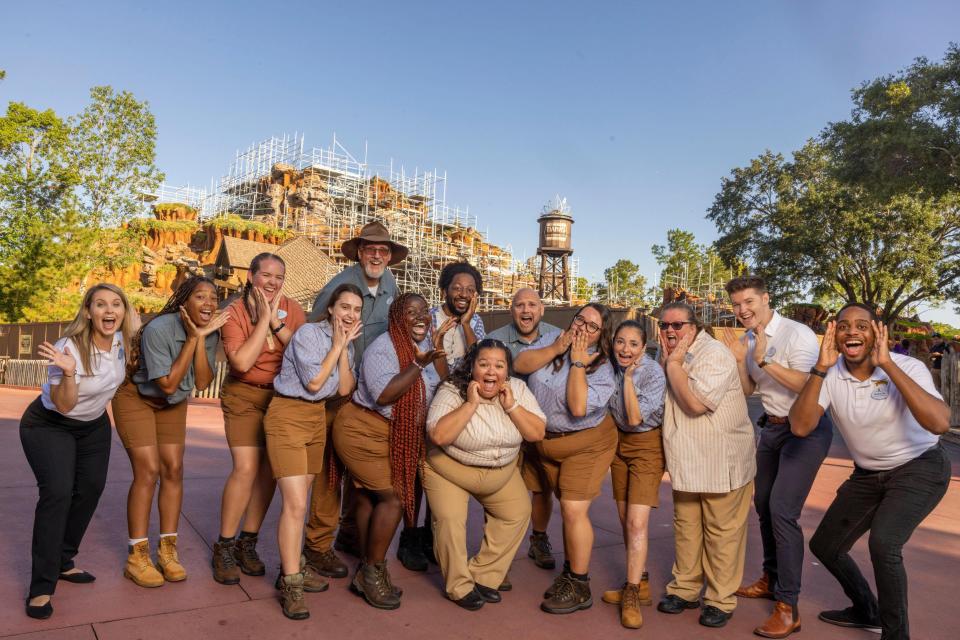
[(569, 595), (713, 617), (675, 604), (410, 552), (851, 619), (471, 602)]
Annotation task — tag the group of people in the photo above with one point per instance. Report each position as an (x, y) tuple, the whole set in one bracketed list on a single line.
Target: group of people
[(376, 400)]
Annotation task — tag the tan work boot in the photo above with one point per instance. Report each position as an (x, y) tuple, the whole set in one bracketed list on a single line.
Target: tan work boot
[(168, 561), (291, 597), (614, 596), (313, 582), (225, 569), (245, 553), (630, 616), (140, 568)]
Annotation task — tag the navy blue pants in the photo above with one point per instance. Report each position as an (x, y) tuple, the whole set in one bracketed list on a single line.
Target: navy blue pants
[(890, 504), (786, 468), (69, 458)]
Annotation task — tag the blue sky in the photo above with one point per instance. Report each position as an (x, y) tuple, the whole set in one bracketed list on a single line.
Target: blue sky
[(632, 110)]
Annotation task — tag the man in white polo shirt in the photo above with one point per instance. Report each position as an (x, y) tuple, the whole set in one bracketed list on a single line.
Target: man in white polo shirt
[(891, 416), (774, 359)]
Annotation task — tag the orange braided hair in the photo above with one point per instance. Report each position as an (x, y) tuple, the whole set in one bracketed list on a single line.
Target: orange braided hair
[(409, 413)]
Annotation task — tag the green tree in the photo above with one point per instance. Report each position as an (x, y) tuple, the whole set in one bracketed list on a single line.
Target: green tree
[(583, 290), (690, 265), (112, 145), (624, 285), (40, 231)]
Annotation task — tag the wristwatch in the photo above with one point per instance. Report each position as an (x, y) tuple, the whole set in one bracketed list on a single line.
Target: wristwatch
[(764, 362), (278, 329), (579, 365), (816, 372)]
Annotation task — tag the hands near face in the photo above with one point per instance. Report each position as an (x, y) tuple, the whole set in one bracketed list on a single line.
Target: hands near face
[(828, 348), (471, 309), (740, 348), (880, 356), (578, 349), (760, 343), (505, 395), (344, 335), (473, 393), (679, 351), (63, 359), (193, 331)]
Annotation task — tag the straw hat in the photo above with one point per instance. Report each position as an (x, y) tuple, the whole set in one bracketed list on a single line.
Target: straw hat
[(375, 233)]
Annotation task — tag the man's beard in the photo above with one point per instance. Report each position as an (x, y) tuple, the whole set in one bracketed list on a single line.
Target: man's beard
[(453, 310)]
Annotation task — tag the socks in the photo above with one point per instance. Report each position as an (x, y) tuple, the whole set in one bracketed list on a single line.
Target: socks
[(222, 539), (539, 533), (247, 534), (167, 535), (131, 542), (582, 577)]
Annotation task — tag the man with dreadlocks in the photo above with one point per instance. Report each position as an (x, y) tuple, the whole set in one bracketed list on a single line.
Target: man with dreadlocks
[(171, 354), (379, 436)]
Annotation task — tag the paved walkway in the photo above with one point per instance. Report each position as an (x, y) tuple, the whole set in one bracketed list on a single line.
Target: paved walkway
[(114, 608)]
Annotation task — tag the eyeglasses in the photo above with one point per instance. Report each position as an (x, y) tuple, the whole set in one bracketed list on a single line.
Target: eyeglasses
[(676, 326), (376, 251), (580, 321), (458, 290)]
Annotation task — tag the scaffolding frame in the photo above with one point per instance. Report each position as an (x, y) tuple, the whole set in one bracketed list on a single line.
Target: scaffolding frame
[(699, 287)]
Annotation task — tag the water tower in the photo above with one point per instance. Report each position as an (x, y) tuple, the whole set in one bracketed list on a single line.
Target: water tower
[(555, 250)]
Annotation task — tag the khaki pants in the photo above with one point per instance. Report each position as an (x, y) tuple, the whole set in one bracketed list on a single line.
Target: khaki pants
[(324, 500), (710, 532), (449, 486)]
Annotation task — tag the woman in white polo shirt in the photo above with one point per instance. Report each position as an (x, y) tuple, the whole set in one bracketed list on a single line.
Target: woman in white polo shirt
[(891, 417), (66, 436), (476, 424)]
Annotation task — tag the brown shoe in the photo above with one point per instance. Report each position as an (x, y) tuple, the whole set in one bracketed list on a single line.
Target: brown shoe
[(169, 561), (313, 582), (326, 563), (291, 597), (245, 553), (613, 596), (630, 616), (541, 552), (784, 620), (759, 589), (140, 567), (225, 569), (569, 595), (373, 583)]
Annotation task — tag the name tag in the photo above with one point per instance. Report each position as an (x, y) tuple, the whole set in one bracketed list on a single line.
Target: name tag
[(881, 390)]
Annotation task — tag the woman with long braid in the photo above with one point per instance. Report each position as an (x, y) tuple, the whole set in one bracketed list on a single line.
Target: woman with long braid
[(172, 354), (262, 322), (379, 436)]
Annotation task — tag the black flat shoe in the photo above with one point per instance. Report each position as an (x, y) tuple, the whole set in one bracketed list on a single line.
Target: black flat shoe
[(710, 616), (81, 577), (471, 602), (42, 612), (675, 604), (488, 594)]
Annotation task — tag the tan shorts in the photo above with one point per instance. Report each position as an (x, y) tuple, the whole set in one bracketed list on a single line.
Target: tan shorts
[(576, 464), (531, 468), (244, 407), (141, 424), (295, 432), (361, 438), (637, 468)]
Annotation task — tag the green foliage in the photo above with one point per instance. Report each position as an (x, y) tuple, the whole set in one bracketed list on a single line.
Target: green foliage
[(233, 222), (624, 285), (583, 290), (147, 303), (171, 207), (170, 226), (112, 146), (691, 265), (166, 267)]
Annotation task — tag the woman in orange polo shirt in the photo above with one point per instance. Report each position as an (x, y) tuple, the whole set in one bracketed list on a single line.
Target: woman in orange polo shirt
[(261, 323)]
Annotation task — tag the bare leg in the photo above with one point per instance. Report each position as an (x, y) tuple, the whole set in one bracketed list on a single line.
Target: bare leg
[(145, 462), (295, 491), (171, 486)]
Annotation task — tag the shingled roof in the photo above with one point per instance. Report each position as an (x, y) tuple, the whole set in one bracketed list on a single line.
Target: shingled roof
[(239, 253)]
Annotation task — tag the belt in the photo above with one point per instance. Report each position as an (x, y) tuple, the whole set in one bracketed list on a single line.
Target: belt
[(775, 419), (550, 435), (368, 410), (267, 387), (280, 395)]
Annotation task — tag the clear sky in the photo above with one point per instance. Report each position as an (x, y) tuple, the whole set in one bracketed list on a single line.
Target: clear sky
[(632, 110)]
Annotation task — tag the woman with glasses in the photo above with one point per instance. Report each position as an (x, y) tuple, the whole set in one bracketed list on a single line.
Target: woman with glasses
[(476, 424), (572, 381)]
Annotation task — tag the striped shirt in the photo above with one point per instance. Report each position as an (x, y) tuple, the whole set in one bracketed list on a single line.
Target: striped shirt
[(550, 389), (650, 384), (490, 438), (380, 365), (303, 359), (714, 452)]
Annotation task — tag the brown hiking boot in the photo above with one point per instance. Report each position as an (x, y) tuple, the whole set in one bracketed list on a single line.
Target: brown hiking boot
[(140, 567), (568, 595), (630, 615), (759, 589), (225, 569), (614, 596), (169, 561), (291, 597), (541, 551), (784, 620), (313, 582), (373, 583), (326, 563), (245, 553)]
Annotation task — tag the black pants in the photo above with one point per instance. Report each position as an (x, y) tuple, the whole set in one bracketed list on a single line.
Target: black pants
[(786, 468), (890, 504), (69, 458)]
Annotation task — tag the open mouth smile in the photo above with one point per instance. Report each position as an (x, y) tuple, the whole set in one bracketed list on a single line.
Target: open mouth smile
[(853, 347)]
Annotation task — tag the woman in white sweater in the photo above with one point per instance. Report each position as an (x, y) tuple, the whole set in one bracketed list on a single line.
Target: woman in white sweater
[(475, 426)]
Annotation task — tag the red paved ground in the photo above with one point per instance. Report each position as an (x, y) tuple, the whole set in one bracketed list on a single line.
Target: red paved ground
[(113, 607)]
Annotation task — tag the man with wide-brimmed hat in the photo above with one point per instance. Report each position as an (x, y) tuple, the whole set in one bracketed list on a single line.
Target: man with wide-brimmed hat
[(374, 252)]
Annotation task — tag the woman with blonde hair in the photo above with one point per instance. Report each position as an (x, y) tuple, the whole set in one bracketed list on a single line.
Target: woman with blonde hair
[(65, 435)]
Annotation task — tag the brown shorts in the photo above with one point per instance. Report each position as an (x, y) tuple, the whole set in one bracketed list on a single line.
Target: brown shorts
[(531, 468), (361, 438), (244, 407), (141, 424), (295, 432), (576, 464), (637, 468)]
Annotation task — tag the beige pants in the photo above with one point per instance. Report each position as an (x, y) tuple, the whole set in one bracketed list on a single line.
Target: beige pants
[(506, 505), (710, 534)]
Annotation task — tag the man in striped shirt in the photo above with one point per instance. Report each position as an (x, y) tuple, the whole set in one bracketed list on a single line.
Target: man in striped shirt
[(709, 447)]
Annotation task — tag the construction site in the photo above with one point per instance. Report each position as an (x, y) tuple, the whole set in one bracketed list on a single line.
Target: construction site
[(327, 194)]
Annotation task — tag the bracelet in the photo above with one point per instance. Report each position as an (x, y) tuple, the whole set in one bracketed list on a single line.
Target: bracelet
[(418, 365), (516, 403), (278, 329), (64, 374), (817, 372)]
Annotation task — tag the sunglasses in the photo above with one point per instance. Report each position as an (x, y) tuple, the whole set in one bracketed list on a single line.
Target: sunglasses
[(676, 326)]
